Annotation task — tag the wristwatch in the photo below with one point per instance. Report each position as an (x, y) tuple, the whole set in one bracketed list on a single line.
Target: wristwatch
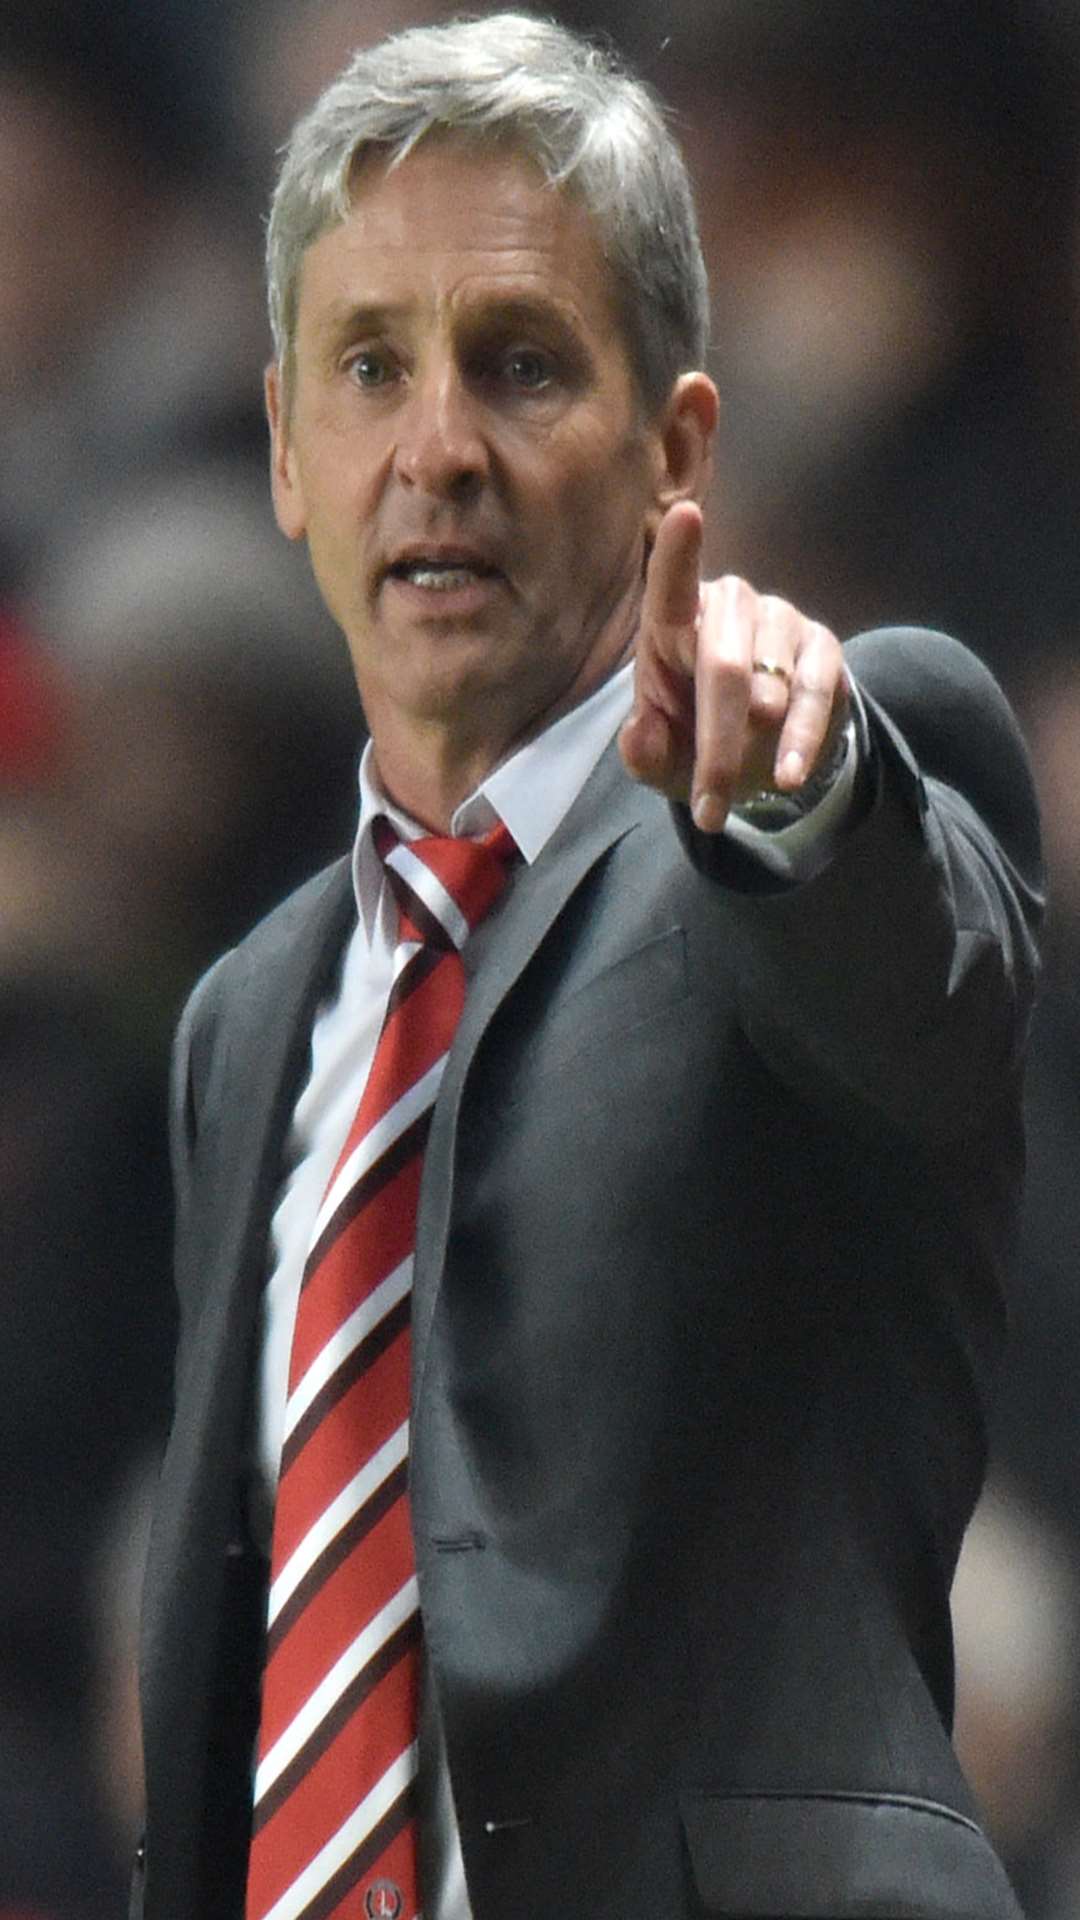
[(771, 811)]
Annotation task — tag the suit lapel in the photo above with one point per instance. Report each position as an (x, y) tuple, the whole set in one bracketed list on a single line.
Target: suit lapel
[(264, 1054), (269, 1048), (610, 806)]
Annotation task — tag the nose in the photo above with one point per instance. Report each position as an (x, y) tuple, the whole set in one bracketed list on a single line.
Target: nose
[(440, 447)]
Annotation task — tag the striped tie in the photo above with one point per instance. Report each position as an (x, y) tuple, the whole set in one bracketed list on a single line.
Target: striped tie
[(334, 1828)]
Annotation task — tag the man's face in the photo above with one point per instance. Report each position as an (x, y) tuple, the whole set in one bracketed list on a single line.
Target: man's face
[(464, 447)]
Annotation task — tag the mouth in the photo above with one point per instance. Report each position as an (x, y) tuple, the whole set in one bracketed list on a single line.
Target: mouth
[(441, 571)]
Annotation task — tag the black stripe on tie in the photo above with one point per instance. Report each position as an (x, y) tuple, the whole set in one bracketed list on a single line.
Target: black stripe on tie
[(395, 1649), (424, 919), (383, 1498), (397, 1155), (365, 1857), (355, 1364)]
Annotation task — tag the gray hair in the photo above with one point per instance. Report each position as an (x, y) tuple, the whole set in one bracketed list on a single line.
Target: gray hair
[(566, 104)]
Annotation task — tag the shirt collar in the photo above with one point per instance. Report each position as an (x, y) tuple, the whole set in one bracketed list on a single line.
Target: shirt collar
[(530, 792)]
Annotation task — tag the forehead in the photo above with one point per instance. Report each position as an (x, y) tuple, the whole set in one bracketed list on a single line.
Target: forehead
[(454, 228)]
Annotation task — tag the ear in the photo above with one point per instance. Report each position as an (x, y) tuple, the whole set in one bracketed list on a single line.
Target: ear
[(284, 477), (684, 437)]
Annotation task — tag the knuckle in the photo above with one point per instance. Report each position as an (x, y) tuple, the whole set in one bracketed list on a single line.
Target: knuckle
[(737, 593), (728, 674), (775, 611), (821, 644), (811, 691)]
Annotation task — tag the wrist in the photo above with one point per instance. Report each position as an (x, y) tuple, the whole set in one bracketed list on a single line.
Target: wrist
[(771, 809)]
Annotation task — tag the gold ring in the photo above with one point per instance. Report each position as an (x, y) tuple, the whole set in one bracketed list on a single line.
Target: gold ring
[(773, 667)]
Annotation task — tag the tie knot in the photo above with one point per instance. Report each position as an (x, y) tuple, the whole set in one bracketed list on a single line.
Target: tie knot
[(443, 886)]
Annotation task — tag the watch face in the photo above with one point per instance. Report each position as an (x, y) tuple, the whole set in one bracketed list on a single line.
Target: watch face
[(770, 811)]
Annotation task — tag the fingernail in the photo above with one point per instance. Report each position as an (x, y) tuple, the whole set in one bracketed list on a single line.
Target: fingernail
[(709, 812), (792, 768)]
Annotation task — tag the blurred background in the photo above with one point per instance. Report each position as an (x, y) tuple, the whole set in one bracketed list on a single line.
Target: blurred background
[(889, 195)]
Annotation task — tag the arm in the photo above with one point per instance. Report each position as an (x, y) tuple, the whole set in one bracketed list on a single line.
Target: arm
[(901, 973)]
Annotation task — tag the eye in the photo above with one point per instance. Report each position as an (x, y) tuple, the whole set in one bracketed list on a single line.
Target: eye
[(529, 369), (369, 367)]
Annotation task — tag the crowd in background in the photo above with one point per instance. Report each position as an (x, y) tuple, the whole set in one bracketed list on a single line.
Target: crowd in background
[(890, 197)]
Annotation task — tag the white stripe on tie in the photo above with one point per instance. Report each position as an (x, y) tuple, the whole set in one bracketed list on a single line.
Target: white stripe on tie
[(330, 1689), (337, 1515), (388, 1128), (351, 1835), (422, 881), (351, 1333)]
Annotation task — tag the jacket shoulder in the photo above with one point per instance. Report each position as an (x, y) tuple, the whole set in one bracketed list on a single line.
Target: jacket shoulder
[(958, 727), (290, 945), (272, 941)]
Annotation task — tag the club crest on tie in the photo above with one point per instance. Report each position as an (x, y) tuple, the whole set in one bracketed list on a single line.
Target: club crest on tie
[(382, 1901)]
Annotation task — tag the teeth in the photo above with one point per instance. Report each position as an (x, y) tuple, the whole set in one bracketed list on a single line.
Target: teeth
[(440, 576)]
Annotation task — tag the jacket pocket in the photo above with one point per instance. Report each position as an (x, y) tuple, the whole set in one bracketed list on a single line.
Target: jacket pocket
[(841, 1856)]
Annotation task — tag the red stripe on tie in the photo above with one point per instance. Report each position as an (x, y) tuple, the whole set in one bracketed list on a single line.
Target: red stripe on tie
[(326, 1465), (382, 1561), (418, 1034), (368, 1247)]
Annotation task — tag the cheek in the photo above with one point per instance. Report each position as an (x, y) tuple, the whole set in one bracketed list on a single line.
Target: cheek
[(605, 506), (336, 554), (600, 488), (339, 462), (337, 500)]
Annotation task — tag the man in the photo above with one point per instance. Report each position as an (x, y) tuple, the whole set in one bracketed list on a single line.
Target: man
[(699, 1207)]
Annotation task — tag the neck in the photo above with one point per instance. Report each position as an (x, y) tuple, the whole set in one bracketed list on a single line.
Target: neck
[(429, 765), (425, 780)]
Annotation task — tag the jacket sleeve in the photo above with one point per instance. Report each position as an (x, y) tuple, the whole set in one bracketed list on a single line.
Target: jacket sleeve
[(903, 973)]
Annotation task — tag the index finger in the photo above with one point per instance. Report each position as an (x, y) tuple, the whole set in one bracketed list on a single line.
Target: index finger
[(672, 599)]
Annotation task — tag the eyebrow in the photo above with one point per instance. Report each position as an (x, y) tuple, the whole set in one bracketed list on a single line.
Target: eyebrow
[(345, 321), (525, 315), (517, 313)]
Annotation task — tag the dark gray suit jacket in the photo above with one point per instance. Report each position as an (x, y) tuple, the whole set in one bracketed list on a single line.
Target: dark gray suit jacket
[(708, 1300)]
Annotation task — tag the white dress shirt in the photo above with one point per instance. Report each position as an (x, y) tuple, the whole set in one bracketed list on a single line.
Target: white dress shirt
[(530, 792)]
